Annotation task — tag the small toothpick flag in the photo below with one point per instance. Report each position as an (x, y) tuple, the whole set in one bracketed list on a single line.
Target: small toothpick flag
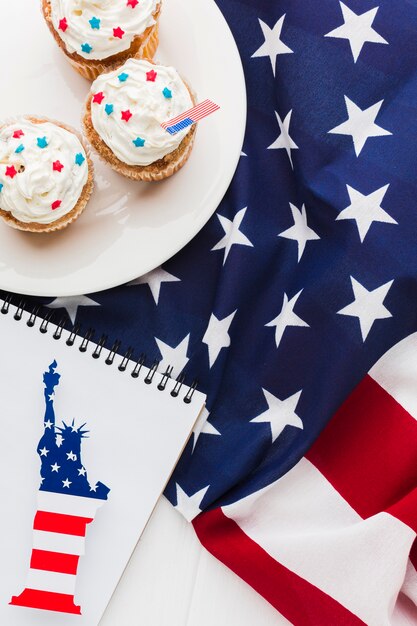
[(190, 117)]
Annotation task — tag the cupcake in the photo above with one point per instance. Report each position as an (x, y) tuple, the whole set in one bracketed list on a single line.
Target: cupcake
[(96, 34), (124, 113), (46, 174)]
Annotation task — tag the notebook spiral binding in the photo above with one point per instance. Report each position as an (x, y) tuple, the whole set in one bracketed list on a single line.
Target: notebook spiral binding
[(47, 319)]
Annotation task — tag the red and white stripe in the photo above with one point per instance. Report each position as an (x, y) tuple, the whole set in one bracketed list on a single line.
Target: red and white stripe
[(333, 541), (197, 113), (59, 531)]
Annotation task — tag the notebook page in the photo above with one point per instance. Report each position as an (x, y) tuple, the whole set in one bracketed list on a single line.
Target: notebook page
[(136, 435)]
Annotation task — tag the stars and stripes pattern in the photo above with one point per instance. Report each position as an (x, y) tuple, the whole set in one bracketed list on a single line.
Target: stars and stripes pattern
[(66, 504), (302, 478), (59, 531), (190, 117), (338, 530)]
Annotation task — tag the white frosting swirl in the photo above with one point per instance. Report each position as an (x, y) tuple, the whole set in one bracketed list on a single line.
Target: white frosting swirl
[(149, 107), (90, 23), (49, 180)]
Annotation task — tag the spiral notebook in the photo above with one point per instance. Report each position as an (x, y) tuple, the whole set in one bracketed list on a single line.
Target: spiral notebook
[(89, 442)]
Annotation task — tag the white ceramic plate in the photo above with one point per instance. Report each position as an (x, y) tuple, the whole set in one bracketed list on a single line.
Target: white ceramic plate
[(128, 228)]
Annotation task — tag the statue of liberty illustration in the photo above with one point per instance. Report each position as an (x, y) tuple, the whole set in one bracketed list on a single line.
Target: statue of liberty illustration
[(67, 503)]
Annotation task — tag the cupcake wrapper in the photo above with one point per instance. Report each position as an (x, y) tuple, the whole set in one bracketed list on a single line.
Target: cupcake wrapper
[(65, 220), (90, 72), (147, 175), (150, 46)]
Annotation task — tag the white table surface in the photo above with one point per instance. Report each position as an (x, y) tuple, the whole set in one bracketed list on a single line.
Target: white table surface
[(172, 580)]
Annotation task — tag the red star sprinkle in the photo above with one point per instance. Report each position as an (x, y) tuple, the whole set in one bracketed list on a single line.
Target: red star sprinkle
[(57, 166), (11, 171), (126, 115), (118, 32), (132, 3), (18, 134), (56, 204), (63, 24), (98, 97), (151, 76)]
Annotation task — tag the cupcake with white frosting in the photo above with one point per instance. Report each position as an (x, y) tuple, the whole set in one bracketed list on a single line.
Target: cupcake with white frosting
[(124, 114), (46, 174), (96, 34)]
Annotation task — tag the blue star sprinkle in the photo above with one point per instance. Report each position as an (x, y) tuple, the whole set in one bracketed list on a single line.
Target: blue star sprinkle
[(86, 48), (123, 77), (79, 159), (167, 92), (139, 142), (20, 149), (1, 186), (95, 23), (109, 109), (42, 142)]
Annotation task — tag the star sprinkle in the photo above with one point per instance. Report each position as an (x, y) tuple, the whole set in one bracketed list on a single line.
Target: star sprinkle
[(132, 3), (57, 166), (98, 97), (18, 134), (55, 205), (1, 186), (86, 48), (123, 77), (11, 171), (109, 108), (19, 149), (42, 142), (139, 142), (126, 115), (95, 23), (118, 32), (79, 159), (167, 92), (151, 76), (63, 24)]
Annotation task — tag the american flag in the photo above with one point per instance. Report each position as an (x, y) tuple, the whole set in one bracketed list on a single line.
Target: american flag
[(67, 503), (303, 477), (190, 117)]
